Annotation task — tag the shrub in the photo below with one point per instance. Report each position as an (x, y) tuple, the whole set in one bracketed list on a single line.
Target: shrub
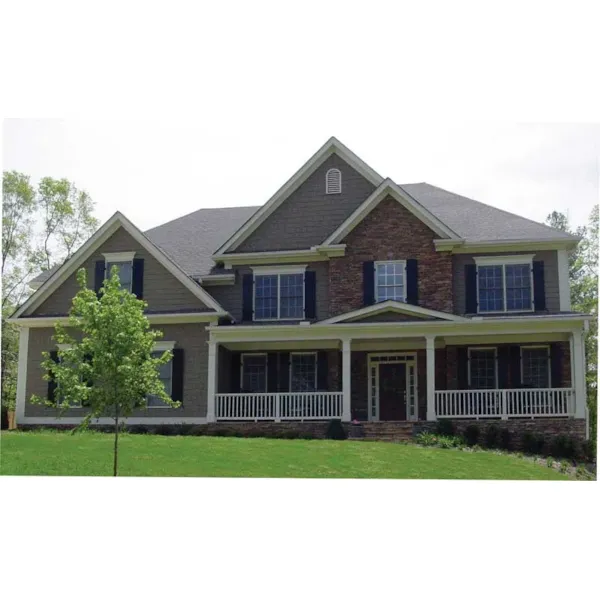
[(198, 430), (290, 434), (307, 435), (185, 429), (472, 434), (335, 430), (564, 447), (138, 429), (506, 439), (564, 466), (441, 441), (492, 436), (533, 443), (588, 450), (426, 439), (445, 427), (549, 462)]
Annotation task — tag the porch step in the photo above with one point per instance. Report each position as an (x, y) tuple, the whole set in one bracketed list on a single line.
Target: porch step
[(388, 431)]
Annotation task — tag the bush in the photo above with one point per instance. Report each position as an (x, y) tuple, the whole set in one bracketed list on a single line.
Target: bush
[(564, 447), (440, 441), (445, 427), (588, 450), (197, 430), (506, 439), (290, 434), (533, 443), (307, 435), (335, 430), (492, 436), (426, 439), (472, 434)]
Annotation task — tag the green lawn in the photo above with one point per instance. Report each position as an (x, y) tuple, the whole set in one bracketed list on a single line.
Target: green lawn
[(59, 453)]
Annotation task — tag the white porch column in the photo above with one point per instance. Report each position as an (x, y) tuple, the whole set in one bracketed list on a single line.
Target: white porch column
[(213, 353), (346, 379), (578, 375), (22, 375), (430, 339)]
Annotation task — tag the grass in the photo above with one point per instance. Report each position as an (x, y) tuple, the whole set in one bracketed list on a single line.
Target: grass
[(90, 453)]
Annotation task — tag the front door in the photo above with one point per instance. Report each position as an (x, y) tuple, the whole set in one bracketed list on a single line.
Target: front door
[(392, 392)]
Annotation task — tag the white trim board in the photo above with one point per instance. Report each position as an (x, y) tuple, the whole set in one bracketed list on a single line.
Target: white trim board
[(393, 306), (332, 146), (158, 420), (92, 244), (389, 188)]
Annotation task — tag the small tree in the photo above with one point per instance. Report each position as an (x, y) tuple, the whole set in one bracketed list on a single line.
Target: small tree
[(106, 363)]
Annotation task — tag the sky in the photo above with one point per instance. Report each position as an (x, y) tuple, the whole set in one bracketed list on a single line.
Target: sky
[(155, 171)]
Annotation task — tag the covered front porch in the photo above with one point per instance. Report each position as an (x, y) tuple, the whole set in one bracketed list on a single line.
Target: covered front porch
[(396, 375)]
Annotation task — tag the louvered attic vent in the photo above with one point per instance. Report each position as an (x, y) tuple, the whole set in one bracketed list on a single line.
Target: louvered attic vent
[(333, 182)]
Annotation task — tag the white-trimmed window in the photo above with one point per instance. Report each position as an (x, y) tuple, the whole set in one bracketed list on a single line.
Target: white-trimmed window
[(253, 373), (165, 374), (123, 260), (390, 280), (535, 366), (333, 181), (57, 393), (504, 283), (303, 371), (278, 293), (483, 368)]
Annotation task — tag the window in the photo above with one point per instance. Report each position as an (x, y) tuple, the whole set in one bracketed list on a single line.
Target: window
[(535, 366), (165, 374), (279, 295), (254, 373), (333, 181), (504, 284), (123, 260), (303, 372), (57, 393), (390, 280), (483, 374)]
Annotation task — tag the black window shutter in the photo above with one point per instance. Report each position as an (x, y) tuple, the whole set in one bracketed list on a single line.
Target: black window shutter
[(99, 275), (137, 284), (368, 283), (236, 367), (52, 381), (310, 295), (470, 289), (177, 381), (272, 372), (322, 370), (412, 282), (503, 366), (515, 367), (539, 287), (284, 371), (247, 292), (462, 366), (556, 360)]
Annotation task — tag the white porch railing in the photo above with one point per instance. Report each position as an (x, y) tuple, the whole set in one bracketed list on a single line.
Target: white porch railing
[(543, 402), (299, 406)]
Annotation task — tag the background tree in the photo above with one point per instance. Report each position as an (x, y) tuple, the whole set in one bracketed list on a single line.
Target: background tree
[(108, 366), (41, 228), (583, 274)]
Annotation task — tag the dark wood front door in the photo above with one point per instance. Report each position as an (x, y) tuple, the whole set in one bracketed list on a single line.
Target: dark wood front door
[(392, 392)]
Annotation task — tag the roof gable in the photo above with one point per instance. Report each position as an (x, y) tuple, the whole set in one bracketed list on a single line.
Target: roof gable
[(117, 221), (332, 146), (389, 188), (393, 307)]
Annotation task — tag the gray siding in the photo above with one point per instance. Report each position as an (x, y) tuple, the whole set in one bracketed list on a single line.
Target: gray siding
[(230, 296), (308, 216), (162, 291), (192, 338), (550, 277)]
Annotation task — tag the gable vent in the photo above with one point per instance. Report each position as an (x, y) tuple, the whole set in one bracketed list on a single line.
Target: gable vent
[(333, 181)]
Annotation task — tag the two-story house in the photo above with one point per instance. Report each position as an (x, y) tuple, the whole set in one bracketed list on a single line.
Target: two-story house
[(345, 296)]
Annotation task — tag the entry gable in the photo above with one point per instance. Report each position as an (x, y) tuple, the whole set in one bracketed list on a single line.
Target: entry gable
[(393, 310), (302, 213), (390, 189), (166, 287)]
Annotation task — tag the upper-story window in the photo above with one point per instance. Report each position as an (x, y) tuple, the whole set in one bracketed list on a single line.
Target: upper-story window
[(390, 280), (123, 260), (504, 283), (279, 293), (333, 181)]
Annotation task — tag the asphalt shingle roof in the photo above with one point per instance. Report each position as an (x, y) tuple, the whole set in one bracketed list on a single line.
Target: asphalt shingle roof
[(191, 240)]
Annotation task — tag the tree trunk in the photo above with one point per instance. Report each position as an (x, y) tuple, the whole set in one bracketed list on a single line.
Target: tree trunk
[(116, 449)]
